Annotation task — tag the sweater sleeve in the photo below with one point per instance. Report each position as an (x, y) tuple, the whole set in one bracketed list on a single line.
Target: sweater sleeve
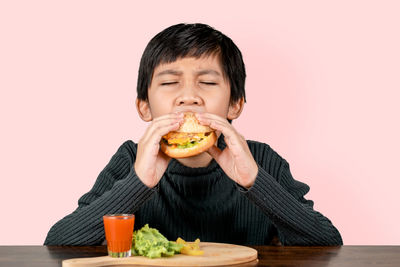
[(282, 200), (116, 190)]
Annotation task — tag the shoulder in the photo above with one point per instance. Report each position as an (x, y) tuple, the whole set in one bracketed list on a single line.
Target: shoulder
[(267, 157), (127, 149), (259, 149)]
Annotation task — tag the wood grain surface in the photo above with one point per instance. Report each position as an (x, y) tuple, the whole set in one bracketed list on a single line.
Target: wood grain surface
[(271, 256), (215, 254)]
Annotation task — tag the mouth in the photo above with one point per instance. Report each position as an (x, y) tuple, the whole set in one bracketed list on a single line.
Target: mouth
[(193, 110)]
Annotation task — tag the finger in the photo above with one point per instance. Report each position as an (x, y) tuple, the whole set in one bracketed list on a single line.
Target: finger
[(160, 131), (169, 116), (150, 144), (204, 120), (211, 116), (231, 136), (164, 120), (157, 129), (207, 118), (150, 140), (224, 127)]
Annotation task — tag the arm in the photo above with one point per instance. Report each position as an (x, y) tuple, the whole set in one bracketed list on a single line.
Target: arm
[(282, 200), (116, 190), (253, 166)]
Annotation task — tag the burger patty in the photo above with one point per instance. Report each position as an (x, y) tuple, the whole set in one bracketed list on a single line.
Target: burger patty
[(177, 138)]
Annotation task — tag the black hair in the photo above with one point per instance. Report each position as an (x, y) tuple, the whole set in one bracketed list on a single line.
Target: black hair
[(192, 40)]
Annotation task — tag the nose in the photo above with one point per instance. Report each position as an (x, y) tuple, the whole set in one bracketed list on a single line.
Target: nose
[(189, 97)]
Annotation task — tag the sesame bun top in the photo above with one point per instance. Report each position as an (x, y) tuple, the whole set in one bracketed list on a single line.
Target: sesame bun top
[(192, 125)]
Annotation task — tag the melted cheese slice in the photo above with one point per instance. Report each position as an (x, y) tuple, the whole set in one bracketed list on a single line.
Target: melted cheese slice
[(183, 138)]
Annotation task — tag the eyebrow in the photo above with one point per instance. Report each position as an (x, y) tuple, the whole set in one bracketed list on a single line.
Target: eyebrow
[(198, 73), (173, 72), (212, 72)]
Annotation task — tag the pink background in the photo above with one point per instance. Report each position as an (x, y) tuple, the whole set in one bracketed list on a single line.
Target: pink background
[(323, 90)]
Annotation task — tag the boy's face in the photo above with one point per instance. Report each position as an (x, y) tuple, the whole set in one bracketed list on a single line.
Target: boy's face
[(189, 84)]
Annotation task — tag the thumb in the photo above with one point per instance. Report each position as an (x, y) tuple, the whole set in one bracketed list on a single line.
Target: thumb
[(214, 152)]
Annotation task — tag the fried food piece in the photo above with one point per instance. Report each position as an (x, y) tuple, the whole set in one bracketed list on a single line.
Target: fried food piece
[(190, 248)]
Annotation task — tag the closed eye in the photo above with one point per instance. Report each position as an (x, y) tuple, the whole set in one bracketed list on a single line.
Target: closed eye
[(169, 83), (208, 83)]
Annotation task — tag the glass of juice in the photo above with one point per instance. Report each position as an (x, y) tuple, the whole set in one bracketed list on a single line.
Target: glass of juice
[(119, 231)]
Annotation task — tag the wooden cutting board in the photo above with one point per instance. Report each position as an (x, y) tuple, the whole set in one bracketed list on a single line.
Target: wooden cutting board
[(215, 254)]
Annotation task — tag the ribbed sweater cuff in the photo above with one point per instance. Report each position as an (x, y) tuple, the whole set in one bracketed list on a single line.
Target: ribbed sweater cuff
[(142, 188)]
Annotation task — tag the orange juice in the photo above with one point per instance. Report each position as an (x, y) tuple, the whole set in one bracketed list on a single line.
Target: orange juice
[(119, 231)]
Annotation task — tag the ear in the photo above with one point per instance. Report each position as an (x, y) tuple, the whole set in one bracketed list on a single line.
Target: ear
[(235, 109), (143, 108)]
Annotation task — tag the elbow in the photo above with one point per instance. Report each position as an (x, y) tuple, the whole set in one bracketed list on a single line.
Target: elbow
[(336, 239), (51, 238), (333, 238), (329, 238)]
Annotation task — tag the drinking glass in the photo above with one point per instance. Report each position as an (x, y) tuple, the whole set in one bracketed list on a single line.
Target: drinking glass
[(119, 231)]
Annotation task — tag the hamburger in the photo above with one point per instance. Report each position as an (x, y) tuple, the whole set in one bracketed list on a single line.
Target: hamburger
[(190, 139)]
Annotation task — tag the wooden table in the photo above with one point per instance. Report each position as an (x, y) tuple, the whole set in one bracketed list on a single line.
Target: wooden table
[(49, 256)]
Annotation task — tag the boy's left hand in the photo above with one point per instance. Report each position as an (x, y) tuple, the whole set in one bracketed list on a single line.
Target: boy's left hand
[(236, 159)]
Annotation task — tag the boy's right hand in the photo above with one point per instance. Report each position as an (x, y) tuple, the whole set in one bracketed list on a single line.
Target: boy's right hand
[(151, 162)]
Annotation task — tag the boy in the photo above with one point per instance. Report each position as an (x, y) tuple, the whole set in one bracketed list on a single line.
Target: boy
[(238, 191)]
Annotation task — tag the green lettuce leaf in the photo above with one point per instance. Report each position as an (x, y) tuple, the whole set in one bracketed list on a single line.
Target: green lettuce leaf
[(149, 242)]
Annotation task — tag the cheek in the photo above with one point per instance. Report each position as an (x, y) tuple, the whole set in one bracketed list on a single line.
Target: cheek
[(218, 105), (159, 105)]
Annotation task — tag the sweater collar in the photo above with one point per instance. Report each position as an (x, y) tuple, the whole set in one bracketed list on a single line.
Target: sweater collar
[(198, 181)]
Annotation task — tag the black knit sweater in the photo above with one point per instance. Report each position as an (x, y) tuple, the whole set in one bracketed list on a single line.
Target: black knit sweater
[(200, 203)]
